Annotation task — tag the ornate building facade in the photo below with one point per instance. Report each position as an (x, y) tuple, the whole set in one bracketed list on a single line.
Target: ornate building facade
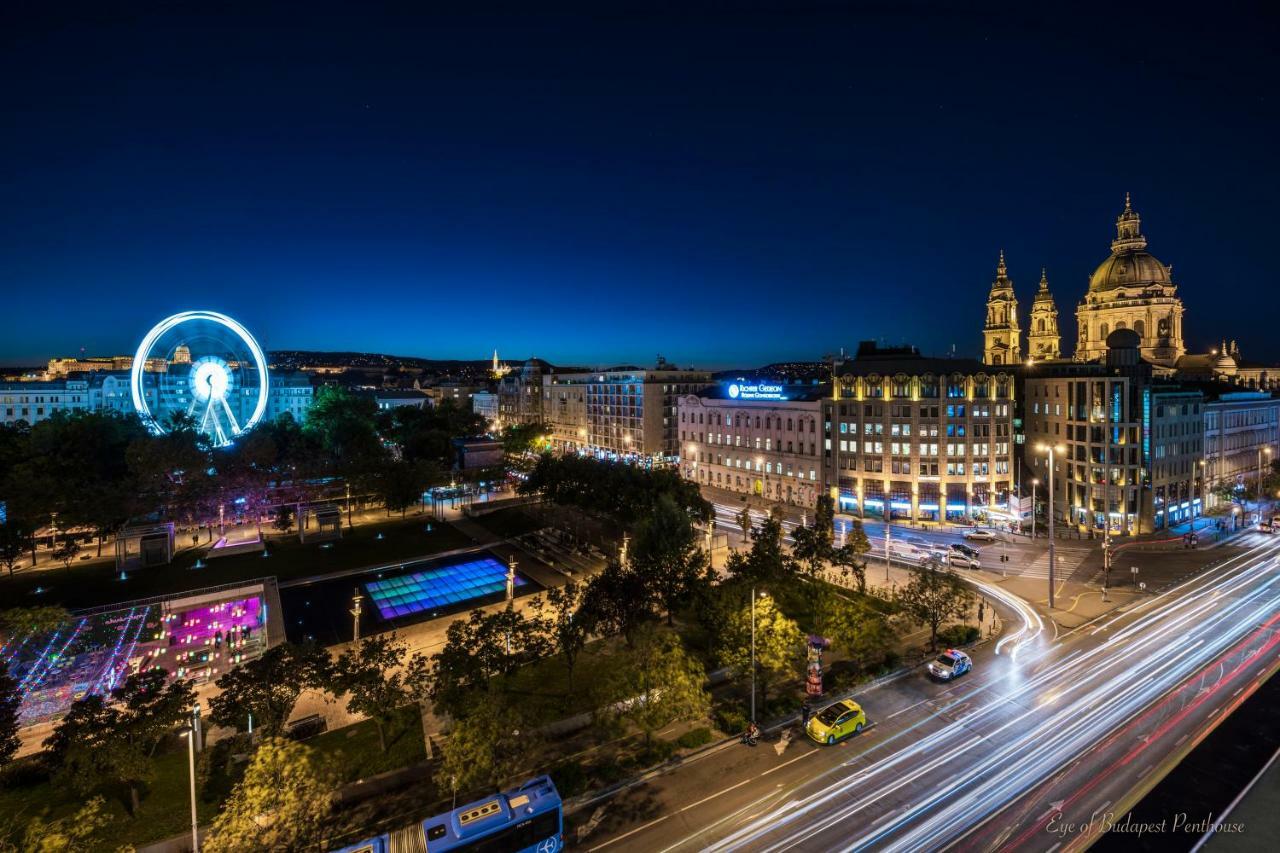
[(1043, 340), (1131, 290), (1002, 335)]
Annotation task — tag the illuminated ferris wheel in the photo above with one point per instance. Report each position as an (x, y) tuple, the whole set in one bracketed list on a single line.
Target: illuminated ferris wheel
[(201, 366)]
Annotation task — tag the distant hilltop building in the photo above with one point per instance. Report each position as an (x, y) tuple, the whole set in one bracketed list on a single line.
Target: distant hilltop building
[(500, 369), (1130, 290)]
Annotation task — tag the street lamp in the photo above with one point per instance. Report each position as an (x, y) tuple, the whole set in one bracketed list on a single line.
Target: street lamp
[(1050, 450), (355, 612), (1035, 481), (1261, 451), (190, 734), (1204, 497), (753, 650)]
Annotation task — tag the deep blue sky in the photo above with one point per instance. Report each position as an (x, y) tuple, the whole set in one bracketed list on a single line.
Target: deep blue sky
[(727, 187)]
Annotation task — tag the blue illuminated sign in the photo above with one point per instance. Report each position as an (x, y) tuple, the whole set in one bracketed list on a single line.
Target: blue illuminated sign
[(740, 391)]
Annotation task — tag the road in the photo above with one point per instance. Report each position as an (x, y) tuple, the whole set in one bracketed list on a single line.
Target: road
[(1027, 557), (1040, 740)]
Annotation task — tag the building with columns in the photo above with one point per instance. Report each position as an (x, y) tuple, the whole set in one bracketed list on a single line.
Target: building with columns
[(1131, 290), (927, 439), (1043, 340), (1002, 336)]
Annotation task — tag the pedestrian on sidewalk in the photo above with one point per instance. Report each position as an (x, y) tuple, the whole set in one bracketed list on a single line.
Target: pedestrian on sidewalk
[(806, 711)]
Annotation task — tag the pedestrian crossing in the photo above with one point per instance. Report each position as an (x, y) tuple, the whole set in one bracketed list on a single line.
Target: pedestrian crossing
[(1070, 558)]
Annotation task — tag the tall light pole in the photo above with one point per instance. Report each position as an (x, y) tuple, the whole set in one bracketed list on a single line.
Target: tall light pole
[(1035, 481), (1204, 498), (753, 651), (1050, 450), (191, 763), (1261, 451), (355, 611)]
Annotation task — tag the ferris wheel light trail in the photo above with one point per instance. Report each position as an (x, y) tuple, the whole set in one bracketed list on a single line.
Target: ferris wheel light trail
[(212, 378)]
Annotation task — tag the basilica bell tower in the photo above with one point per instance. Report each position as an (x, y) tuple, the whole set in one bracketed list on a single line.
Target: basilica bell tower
[(1002, 337)]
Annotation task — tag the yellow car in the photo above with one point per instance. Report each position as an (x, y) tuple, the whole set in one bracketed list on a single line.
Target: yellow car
[(836, 722)]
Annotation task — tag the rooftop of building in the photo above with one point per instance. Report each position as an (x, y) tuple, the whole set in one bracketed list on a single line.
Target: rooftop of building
[(803, 393), (871, 358)]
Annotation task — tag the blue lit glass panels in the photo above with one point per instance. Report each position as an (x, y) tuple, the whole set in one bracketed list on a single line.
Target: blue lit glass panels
[(438, 588)]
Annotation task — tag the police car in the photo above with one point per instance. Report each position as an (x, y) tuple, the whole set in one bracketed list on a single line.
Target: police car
[(950, 664)]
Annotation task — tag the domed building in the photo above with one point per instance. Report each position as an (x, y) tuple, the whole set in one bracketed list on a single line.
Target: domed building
[(1131, 290)]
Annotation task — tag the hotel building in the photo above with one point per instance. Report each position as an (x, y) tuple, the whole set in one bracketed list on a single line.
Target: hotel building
[(755, 438), (926, 439)]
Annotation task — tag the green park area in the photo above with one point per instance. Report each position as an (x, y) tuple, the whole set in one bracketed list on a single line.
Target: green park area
[(284, 558)]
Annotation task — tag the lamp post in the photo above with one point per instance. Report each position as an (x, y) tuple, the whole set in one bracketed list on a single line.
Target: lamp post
[(355, 611), (1035, 481), (1204, 498), (1267, 452), (191, 765), (1049, 449), (753, 650), (348, 506)]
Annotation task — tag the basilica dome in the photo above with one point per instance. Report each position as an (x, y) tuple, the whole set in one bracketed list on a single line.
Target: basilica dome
[(1130, 264), (1136, 270)]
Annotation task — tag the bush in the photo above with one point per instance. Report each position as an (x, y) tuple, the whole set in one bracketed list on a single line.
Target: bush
[(730, 721), (958, 635), (892, 660), (694, 738), (570, 778)]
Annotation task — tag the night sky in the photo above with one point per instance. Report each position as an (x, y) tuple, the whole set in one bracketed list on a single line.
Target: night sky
[(729, 187)]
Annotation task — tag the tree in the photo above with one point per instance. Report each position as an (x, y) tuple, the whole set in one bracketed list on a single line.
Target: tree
[(15, 540), (779, 643), (282, 802), (744, 524), (17, 623), (487, 749), (665, 555), (478, 649), (853, 625), (656, 683), (372, 675), (10, 703), (66, 551), (98, 744), (566, 628), (401, 484), (283, 518), (519, 439), (81, 830), (268, 687), (933, 596), (766, 561), (617, 601), (851, 557)]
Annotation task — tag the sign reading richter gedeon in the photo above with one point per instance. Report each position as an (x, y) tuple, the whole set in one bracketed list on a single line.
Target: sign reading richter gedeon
[(741, 391)]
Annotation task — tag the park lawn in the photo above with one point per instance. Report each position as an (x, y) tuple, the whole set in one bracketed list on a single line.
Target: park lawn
[(97, 584), (353, 750), (166, 807), (165, 810), (509, 522)]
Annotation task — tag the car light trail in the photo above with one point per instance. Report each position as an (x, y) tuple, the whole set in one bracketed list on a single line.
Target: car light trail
[(975, 766)]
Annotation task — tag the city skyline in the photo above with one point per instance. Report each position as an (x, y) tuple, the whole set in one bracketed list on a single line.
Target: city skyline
[(752, 171)]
